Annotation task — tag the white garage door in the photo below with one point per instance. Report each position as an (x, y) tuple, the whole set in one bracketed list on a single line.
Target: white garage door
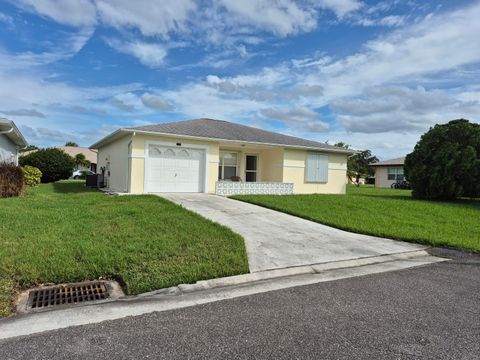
[(173, 169)]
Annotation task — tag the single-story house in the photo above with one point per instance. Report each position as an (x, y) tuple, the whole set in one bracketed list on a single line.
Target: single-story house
[(389, 171), (216, 156), (90, 155), (11, 140)]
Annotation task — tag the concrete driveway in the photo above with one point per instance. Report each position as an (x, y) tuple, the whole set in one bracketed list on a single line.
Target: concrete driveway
[(276, 240)]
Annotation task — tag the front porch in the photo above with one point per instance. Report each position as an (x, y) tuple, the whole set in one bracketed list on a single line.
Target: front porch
[(251, 170)]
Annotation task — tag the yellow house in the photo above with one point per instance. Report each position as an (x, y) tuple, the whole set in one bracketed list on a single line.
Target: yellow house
[(215, 156)]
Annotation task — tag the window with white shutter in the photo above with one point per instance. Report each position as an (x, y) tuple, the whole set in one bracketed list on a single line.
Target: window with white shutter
[(316, 168)]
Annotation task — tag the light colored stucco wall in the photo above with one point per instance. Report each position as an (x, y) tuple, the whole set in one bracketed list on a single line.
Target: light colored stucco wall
[(381, 176), (271, 165), (294, 172), (137, 177), (115, 155), (8, 150)]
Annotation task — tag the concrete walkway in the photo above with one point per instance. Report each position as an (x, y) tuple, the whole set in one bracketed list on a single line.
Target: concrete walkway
[(276, 240)]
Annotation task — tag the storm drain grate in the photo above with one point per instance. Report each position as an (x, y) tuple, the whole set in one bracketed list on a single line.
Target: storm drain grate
[(67, 294)]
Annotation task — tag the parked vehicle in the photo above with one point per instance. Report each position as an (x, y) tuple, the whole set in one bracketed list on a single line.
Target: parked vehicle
[(400, 184), (81, 174)]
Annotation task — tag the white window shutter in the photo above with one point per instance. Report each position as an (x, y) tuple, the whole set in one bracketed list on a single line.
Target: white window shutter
[(310, 168), (322, 168), (316, 167)]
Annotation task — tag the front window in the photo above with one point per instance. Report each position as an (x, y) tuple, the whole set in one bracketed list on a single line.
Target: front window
[(227, 167), (395, 174)]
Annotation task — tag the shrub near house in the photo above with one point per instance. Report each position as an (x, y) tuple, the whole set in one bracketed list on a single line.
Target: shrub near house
[(11, 180), (32, 175), (53, 163), (445, 163)]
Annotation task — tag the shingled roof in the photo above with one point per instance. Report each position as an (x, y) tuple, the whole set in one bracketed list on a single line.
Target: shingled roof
[(224, 130), (397, 161)]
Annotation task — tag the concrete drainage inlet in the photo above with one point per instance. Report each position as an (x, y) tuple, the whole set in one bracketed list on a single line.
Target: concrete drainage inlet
[(50, 297)]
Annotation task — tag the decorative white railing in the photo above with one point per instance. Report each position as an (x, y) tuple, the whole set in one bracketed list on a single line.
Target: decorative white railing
[(226, 188)]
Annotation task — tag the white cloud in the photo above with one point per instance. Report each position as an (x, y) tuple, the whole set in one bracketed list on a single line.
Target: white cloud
[(23, 112), (308, 90), (281, 17), (297, 118), (6, 19), (150, 17), (399, 108), (149, 54), (155, 102), (341, 7), (201, 100), (438, 43), (390, 20), (125, 102), (69, 45), (71, 12)]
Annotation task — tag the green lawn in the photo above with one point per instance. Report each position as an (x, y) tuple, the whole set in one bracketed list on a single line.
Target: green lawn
[(63, 232), (387, 213)]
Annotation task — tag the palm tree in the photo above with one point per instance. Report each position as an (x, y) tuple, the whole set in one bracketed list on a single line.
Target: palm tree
[(81, 160)]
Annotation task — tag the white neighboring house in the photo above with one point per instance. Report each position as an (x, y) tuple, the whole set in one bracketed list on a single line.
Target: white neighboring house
[(389, 171), (11, 140)]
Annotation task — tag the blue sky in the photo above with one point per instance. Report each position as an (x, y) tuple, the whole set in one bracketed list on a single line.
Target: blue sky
[(373, 74)]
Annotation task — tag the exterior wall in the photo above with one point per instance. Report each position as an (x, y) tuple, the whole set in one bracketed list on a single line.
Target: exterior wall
[(294, 172), (8, 150), (381, 176), (114, 157), (271, 165), (137, 172)]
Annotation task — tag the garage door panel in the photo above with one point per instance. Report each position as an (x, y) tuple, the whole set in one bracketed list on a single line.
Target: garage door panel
[(175, 170)]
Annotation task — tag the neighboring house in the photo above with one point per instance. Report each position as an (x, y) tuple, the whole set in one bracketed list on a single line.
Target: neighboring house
[(214, 156), (90, 155), (11, 140), (387, 172)]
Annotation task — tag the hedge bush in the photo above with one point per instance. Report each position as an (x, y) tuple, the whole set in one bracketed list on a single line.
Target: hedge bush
[(32, 175), (11, 180), (53, 163), (445, 163)]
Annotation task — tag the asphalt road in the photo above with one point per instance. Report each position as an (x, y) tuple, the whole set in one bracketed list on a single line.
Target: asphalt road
[(430, 312)]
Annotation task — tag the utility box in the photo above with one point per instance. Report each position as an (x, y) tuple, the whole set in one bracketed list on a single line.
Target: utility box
[(95, 181)]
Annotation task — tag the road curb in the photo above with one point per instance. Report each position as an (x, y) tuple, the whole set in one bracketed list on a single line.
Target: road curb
[(279, 273), (208, 291)]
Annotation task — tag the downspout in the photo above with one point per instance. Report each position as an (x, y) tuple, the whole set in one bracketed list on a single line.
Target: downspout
[(129, 163)]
